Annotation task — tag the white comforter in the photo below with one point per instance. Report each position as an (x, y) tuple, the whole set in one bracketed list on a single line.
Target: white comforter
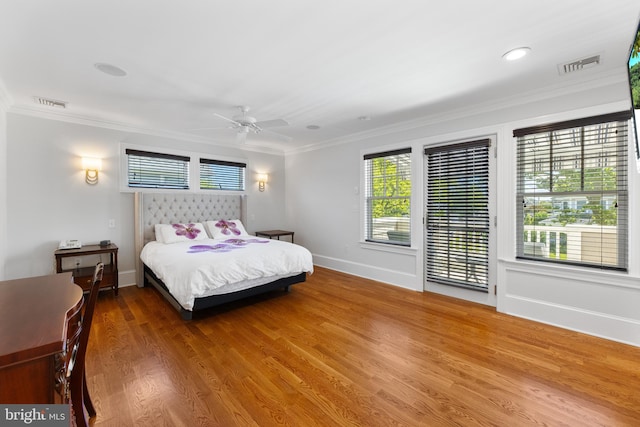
[(201, 268)]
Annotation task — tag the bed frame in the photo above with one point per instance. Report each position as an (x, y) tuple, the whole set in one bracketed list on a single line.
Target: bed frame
[(168, 208)]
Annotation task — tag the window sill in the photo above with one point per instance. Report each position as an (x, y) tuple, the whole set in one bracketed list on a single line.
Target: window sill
[(586, 274), (383, 247)]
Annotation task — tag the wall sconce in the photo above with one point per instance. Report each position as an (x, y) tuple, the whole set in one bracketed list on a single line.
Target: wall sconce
[(91, 166), (262, 179)]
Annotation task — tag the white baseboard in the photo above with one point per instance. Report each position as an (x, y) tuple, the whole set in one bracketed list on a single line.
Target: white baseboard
[(392, 277), (595, 302), (602, 325), (126, 278)]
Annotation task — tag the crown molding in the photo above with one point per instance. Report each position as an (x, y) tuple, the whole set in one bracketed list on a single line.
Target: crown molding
[(523, 98), (553, 91), (64, 116)]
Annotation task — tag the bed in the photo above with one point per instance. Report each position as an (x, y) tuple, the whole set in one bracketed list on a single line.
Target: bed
[(213, 260)]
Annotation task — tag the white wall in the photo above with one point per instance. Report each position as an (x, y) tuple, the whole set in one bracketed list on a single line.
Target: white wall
[(3, 191), (325, 210), (48, 199), (324, 207)]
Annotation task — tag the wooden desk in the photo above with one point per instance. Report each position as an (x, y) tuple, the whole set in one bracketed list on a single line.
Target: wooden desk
[(34, 314), (275, 233)]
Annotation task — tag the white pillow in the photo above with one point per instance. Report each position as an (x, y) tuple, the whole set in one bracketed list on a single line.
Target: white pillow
[(226, 228), (172, 233)]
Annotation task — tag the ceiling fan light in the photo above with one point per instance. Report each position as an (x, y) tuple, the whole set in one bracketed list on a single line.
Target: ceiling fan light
[(248, 120)]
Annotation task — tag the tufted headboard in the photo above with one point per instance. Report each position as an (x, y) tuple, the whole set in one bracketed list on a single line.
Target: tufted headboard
[(170, 208)]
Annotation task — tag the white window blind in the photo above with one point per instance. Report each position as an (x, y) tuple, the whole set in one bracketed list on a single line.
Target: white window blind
[(457, 205), (222, 175), (572, 201), (157, 170), (388, 197)]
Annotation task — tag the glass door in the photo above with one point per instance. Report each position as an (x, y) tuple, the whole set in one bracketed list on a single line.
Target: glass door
[(458, 212)]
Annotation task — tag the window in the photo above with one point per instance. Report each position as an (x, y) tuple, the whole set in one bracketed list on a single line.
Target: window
[(221, 175), (457, 205), (157, 170), (388, 197), (574, 212)]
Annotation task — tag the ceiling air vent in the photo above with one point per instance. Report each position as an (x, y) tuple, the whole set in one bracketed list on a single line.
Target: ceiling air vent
[(580, 64), (50, 102)]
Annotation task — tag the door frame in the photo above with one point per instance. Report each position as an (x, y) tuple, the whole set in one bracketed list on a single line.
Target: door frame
[(490, 297)]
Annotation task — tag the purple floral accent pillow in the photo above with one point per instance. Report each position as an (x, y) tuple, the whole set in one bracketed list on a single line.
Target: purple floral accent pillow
[(190, 231), (173, 233), (226, 228)]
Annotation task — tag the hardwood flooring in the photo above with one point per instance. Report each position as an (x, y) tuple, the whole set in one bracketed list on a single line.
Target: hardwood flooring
[(344, 351)]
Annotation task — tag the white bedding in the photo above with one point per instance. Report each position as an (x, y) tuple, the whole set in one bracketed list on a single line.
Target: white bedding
[(196, 269)]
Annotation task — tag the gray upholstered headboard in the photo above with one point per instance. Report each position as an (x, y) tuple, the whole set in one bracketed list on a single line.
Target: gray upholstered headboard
[(171, 208)]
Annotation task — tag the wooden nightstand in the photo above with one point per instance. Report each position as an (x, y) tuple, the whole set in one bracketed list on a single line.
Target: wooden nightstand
[(83, 276), (275, 233)]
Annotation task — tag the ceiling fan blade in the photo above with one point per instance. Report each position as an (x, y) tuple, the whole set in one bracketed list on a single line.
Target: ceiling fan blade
[(278, 136), (272, 123), (226, 118), (210, 128)]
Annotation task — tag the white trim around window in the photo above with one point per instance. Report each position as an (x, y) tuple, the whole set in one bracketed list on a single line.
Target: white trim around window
[(374, 244), (194, 169)]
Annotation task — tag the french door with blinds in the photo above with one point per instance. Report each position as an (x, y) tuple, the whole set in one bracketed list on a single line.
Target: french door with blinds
[(457, 215)]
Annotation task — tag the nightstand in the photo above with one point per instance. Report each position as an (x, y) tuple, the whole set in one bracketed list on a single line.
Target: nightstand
[(83, 276), (275, 233)]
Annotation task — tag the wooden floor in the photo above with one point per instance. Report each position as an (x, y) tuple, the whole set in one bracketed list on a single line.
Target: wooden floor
[(344, 351)]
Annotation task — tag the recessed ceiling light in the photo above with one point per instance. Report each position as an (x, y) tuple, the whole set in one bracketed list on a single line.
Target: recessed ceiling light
[(516, 53), (313, 127), (112, 70)]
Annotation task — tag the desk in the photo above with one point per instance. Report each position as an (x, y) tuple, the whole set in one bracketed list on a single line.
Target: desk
[(275, 233), (34, 314)]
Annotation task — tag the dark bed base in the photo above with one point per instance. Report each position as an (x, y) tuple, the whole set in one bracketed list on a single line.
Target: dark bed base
[(214, 300)]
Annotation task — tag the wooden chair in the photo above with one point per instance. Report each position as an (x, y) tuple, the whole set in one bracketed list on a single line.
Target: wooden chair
[(66, 360), (78, 392)]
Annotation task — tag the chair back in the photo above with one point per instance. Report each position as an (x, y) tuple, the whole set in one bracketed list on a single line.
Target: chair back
[(76, 372), (66, 360), (87, 316)]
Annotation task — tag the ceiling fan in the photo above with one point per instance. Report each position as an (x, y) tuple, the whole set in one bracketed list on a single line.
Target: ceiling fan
[(244, 124)]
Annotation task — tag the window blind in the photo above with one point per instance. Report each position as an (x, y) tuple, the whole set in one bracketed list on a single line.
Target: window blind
[(388, 197), (457, 220), (222, 175), (157, 170), (572, 201)]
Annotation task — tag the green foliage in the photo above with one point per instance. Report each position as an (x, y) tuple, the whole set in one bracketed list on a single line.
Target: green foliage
[(591, 213), (635, 85), (635, 73), (391, 190), (568, 180)]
